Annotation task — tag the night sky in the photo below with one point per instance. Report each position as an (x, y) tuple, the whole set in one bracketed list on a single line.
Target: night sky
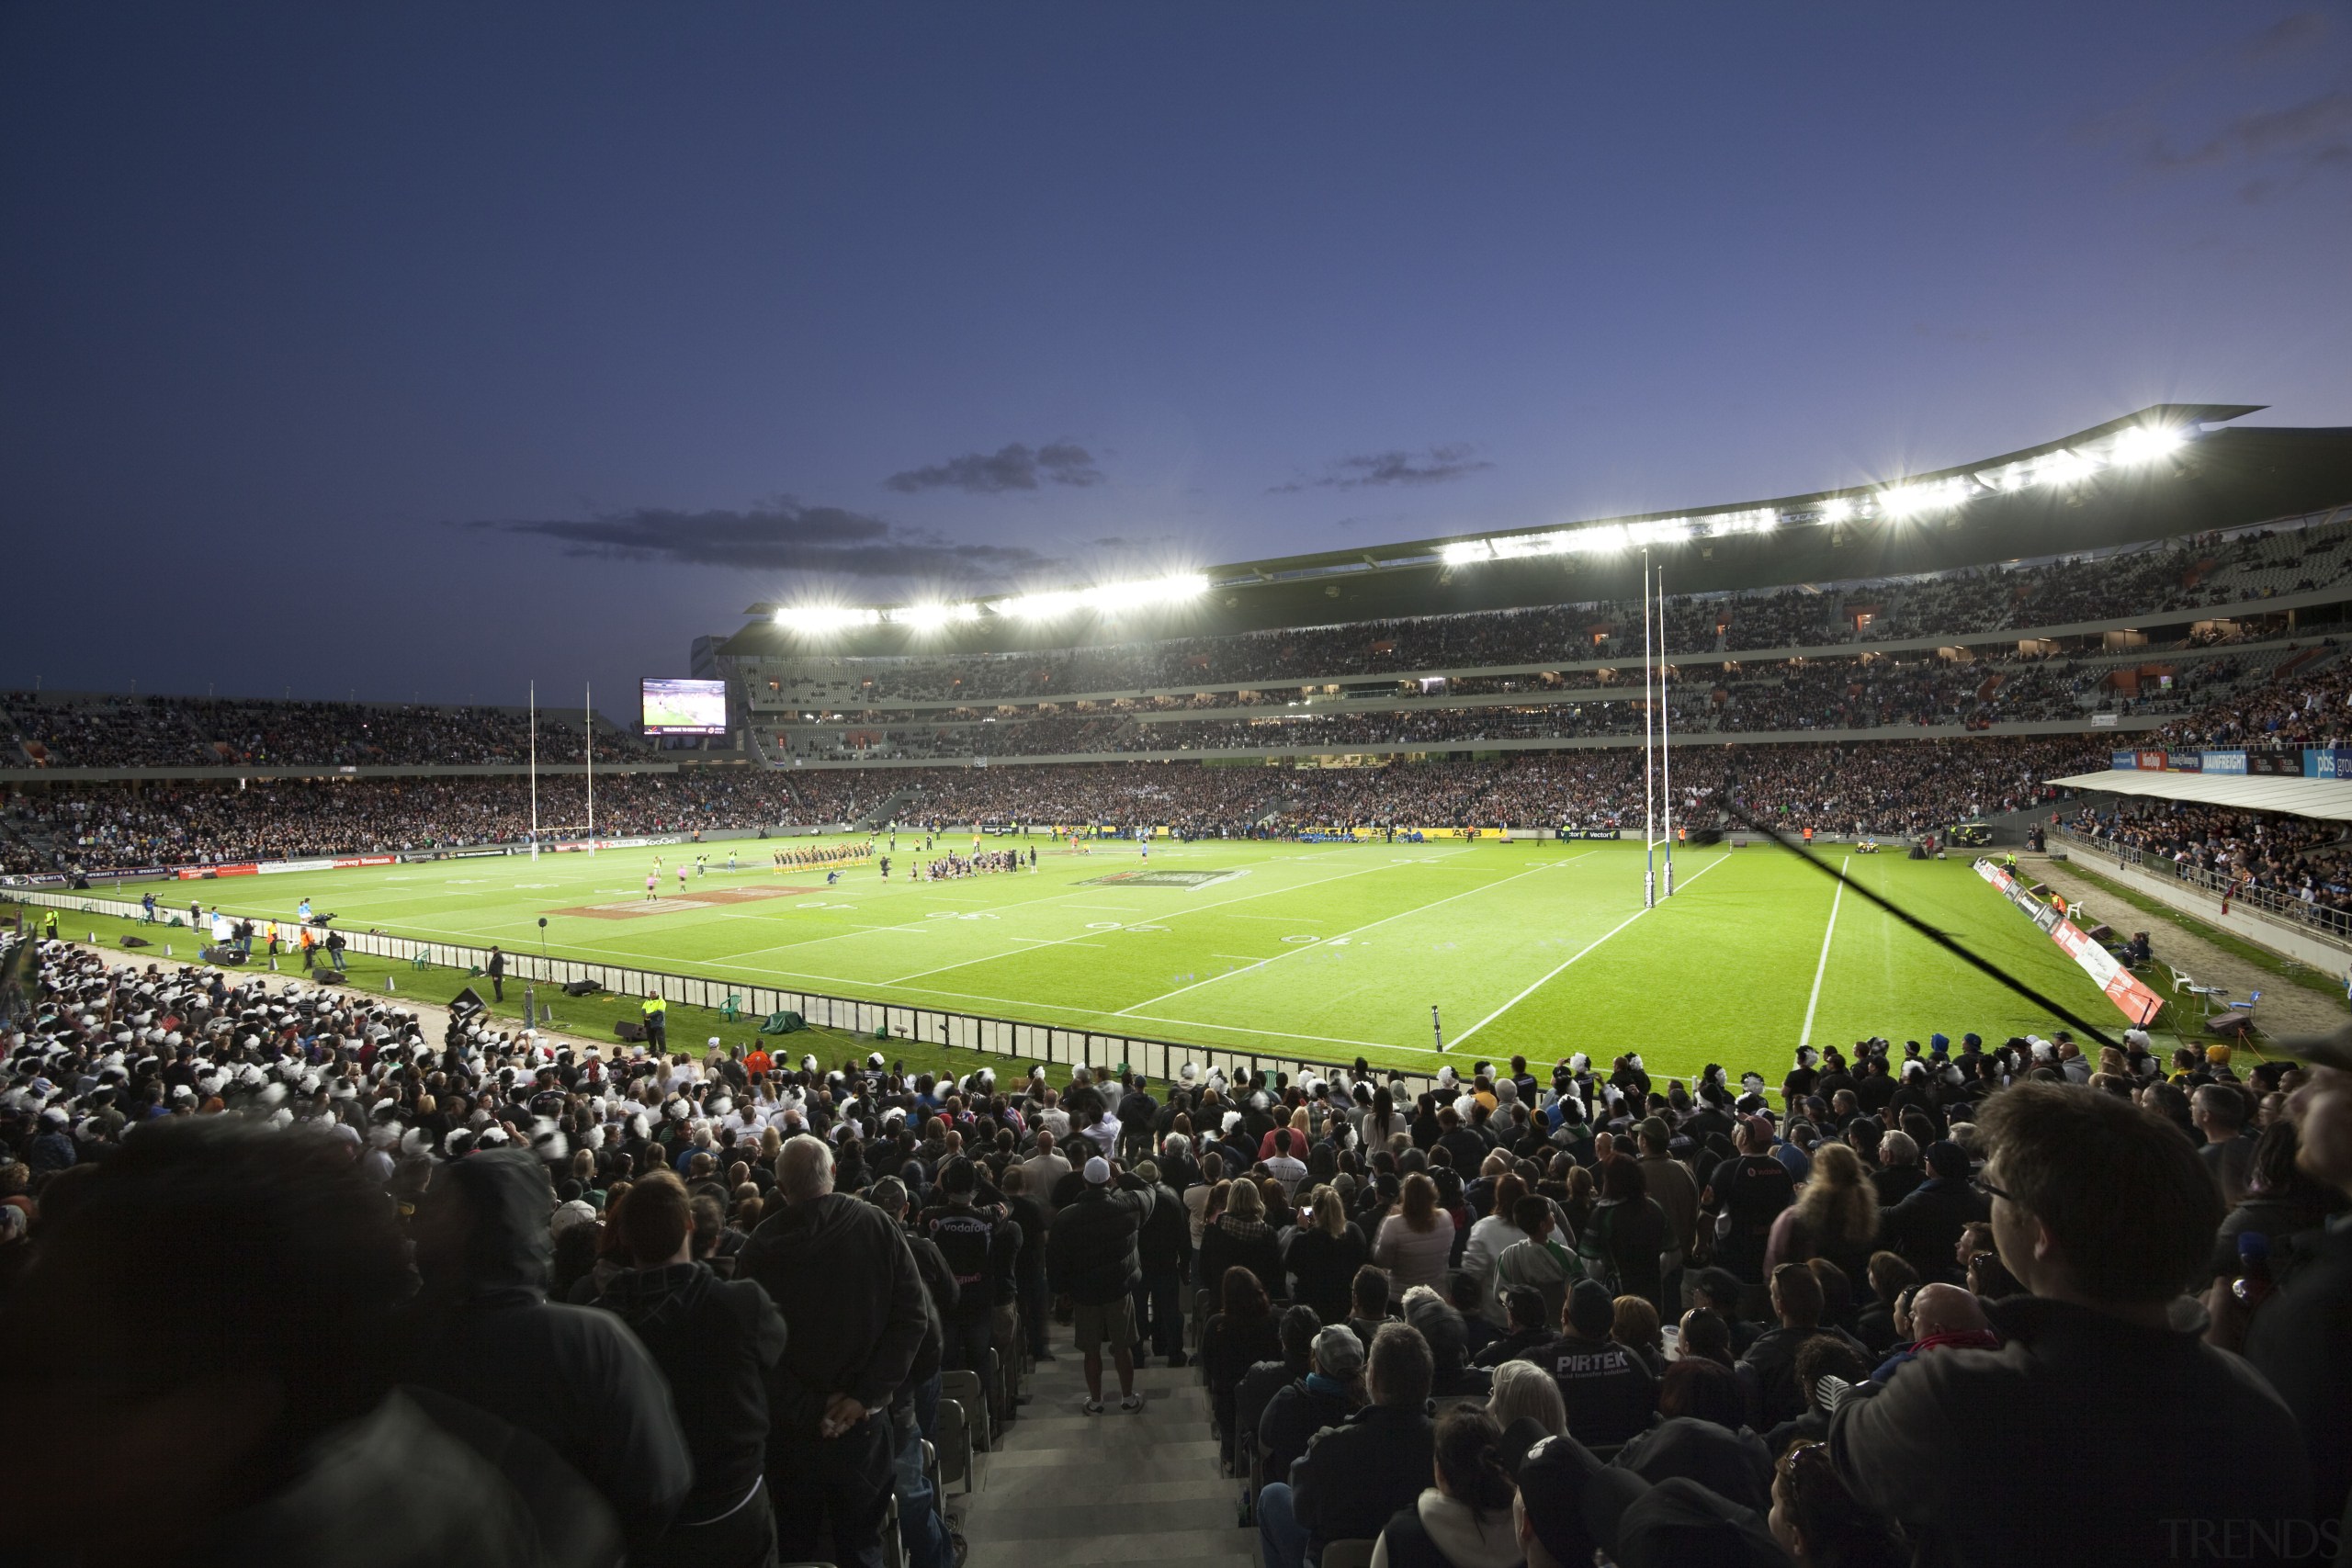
[(422, 350)]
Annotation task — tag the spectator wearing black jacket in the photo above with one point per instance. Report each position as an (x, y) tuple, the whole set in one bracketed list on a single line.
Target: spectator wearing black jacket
[(1607, 1387), (715, 1341), (1746, 1194), (1091, 1257), (1242, 1334), (1323, 1256), (1353, 1477), (1029, 1263), (2302, 1340), (1924, 1227), (1769, 1366), (1240, 1237), (1295, 1331), (571, 1376), (1164, 1253), (1327, 1394), (1530, 1329), (980, 1247), (2107, 1418), (842, 1275)]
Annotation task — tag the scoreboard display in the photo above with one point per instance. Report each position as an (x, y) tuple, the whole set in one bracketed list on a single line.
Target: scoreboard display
[(683, 707)]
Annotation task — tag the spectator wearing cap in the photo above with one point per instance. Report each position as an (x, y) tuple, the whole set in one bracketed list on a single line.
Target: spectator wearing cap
[(1926, 1226), (1607, 1387), (1529, 1329), (843, 1276), (1091, 1257), (485, 1333), (1327, 1394), (2302, 1340), (1355, 1477), (715, 1341), (2107, 1417), (1464, 1519)]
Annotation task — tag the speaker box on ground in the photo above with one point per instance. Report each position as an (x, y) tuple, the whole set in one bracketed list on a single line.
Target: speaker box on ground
[(224, 957), (627, 1031), (326, 976), (582, 989), (2232, 1025), (136, 941)]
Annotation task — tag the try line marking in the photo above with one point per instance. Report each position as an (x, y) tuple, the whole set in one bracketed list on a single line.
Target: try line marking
[(1821, 968)]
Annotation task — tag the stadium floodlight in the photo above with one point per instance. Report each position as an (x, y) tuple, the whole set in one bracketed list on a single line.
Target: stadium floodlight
[(1519, 546), (1037, 606), (815, 618), (1837, 509), (1465, 552), (1146, 592), (2062, 467), (923, 617), (2146, 443)]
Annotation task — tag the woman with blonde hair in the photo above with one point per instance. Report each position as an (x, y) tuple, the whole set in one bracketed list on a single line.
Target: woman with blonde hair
[(1637, 1328), (1526, 1392), (1323, 1256), (1835, 1216), (1416, 1242)]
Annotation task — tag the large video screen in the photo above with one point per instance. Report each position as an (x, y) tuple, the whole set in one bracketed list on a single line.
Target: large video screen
[(683, 707)]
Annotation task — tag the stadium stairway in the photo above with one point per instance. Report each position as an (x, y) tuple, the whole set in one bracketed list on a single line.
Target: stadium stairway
[(1080, 1490)]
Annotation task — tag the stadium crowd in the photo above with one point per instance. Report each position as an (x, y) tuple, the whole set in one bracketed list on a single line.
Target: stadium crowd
[(2292, 858), (343, 1291), (1887, 788), (49, 731)]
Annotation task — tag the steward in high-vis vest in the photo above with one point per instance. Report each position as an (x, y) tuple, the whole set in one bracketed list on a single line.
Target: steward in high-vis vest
[(657, 1032)]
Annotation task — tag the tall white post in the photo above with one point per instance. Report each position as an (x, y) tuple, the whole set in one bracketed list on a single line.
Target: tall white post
[(1649, 779), (588, 696), (534, 770), (1664, 736)]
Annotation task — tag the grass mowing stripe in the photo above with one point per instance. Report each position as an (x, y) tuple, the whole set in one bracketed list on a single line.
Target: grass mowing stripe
[(1289, 952), (1813, 1001), (1196, 909)]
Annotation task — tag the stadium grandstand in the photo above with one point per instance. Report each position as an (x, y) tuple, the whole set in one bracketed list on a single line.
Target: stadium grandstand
[(935, 1220)]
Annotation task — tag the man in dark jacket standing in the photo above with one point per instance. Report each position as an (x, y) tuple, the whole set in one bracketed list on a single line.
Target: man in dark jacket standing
[(571, 1376), (1926, 1225), (1164, 1251), (842, 1276), (1091, 1257), (2106, 1419), (715, 1341), (1353, 1477)]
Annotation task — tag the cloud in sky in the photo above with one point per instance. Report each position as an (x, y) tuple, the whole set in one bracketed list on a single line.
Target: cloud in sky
[(1016, 466), (782, 535), (1435, 466)]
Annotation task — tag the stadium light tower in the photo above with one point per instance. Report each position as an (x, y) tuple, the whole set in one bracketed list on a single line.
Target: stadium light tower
[(1649, 779), (1665, 738)]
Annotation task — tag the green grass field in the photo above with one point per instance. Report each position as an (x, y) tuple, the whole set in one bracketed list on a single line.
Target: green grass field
[(1319, 951)]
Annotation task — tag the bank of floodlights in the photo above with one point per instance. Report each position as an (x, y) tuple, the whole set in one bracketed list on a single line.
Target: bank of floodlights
[(933, 615)]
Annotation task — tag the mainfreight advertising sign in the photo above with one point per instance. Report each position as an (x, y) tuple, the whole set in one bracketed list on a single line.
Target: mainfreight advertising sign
[(2122, 987), (2225, 761)]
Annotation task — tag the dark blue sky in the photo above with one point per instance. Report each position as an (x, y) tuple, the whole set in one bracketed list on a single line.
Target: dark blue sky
[(425, 349)]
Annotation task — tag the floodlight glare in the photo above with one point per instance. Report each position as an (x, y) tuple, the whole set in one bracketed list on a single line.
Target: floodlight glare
[(819, 618), (2146, 443), (1837, 509), (1464, 551)]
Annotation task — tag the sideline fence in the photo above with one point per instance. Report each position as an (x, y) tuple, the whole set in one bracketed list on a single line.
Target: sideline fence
[(1051, 1044)]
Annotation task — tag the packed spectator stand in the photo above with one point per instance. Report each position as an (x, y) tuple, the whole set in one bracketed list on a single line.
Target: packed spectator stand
[(1946, 1302), (49, 730)]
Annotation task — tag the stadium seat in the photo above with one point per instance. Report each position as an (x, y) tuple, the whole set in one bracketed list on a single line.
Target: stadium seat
[(731, 1009), (964, 1387), (955, 1440)]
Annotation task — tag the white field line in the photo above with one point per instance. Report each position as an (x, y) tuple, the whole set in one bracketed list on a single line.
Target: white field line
[(1309, 947), (1821, 968), (1596, 942)]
